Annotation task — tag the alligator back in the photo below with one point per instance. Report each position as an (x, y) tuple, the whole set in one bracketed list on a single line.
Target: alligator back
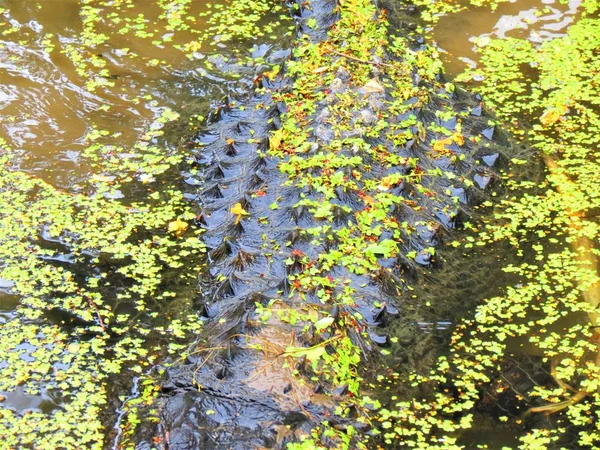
[(320, 194)]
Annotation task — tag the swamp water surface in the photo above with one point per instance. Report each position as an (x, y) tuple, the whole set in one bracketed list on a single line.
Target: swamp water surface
[(457, 37), (96, 100), (53, 110), (466, 281)]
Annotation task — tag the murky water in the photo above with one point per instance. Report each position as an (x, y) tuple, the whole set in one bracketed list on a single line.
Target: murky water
[(459, 35), (466, 278), (458, 38), (47, 112), (84, 89)]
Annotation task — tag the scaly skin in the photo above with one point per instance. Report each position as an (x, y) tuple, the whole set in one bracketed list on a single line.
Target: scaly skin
[(320, 193)]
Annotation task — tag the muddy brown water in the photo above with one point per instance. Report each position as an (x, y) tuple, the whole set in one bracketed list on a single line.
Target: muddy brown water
[(45, 109), (459, 35), (46, 112)]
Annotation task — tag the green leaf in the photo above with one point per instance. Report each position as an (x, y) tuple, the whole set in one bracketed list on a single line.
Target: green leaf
[(323, 323)]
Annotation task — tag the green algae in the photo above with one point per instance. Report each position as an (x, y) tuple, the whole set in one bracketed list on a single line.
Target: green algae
[(106, 280), (120, 245), (358, 43), (548, 96), (174, 24), (135, 242)]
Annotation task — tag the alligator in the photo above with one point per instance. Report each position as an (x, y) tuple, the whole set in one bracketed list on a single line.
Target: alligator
[(321, 193)]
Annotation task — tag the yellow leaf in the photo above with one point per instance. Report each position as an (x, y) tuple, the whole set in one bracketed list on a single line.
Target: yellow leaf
[(459, 139), (73, 347), (275, 140), (194, 46), (440, 146), (550, 117), (239, 212), (312, 353), (385, 184), (178, 227)]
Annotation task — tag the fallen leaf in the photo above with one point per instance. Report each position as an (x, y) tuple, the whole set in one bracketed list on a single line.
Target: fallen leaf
[(239, 212), (275, 140), (323, 323), (440, 146), (178, 227), (73, 347), (311, 353), (368, 200), (421, 131), (459, 139), (373, 87), (386, 184), (551, 116)]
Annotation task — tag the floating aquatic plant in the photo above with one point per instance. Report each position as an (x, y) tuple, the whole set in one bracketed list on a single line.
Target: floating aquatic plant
[(553, 226)]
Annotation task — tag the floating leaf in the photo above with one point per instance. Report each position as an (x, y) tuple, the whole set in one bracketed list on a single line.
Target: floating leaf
[(552, 116), (73, 347), (239, 212), (311, 353), (103, 178), (178, 227)]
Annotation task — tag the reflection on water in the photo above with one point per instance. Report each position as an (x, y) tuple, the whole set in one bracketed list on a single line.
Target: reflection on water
[(85, 89), (19, 400), (457, 35), (8, 302), (46, 112), (45, 109)]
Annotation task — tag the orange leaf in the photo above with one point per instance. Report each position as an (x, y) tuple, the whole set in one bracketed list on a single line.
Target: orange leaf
[(550, 117), (440, 146)]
